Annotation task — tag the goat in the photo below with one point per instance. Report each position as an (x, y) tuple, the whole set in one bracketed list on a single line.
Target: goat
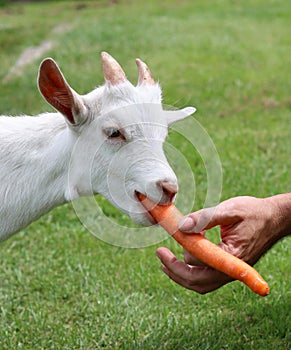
[(109, 141)]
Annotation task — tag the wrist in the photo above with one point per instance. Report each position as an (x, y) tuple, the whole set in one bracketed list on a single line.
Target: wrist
[(282, 214)]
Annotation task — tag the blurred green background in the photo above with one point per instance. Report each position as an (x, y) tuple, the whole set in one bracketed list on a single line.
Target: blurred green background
[(61, 288)]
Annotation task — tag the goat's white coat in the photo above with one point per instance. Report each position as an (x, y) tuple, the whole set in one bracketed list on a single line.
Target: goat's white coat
[(46, 161)]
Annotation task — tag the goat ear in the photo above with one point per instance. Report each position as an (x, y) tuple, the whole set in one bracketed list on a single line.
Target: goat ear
[(175, 116), (57, 92)]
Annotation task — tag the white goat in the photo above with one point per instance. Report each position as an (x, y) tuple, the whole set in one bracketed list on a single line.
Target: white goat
[(108, 141)]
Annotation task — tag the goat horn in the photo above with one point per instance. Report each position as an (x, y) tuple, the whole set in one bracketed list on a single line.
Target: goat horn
[(144, 74), (113, 73)]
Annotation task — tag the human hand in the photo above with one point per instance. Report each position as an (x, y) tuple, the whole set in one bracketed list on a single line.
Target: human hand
[(249, 226)]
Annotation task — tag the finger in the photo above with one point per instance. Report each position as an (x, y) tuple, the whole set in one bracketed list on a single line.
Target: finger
[(192, 275), (170, 261), (207, 218), (198, 221), (167, 257), (190, 284)]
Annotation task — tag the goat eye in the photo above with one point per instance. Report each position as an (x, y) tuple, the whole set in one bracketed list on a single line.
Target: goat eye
[(113, 133)]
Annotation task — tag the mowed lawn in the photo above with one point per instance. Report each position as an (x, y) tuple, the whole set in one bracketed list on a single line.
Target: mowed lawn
[(61, 287)]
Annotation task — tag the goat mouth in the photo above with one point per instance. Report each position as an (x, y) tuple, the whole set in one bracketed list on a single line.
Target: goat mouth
[(147, 213)]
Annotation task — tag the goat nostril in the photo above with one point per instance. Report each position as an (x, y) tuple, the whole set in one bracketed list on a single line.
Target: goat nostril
[(169, 189)]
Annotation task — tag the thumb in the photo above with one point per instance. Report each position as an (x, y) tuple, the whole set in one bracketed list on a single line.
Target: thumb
[(204, 219)]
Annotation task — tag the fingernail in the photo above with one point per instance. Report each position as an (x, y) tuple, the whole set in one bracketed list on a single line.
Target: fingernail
[(186, 224)]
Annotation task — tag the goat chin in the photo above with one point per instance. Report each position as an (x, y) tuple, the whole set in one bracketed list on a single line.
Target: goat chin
[(143, 219)]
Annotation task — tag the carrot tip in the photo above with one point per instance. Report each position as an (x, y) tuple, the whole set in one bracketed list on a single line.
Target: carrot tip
[(168, 217)]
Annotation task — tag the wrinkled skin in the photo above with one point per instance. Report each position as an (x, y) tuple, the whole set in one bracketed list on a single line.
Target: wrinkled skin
[(249, 227)]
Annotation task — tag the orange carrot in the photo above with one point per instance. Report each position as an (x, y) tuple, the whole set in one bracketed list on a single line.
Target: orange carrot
[(207, 252)]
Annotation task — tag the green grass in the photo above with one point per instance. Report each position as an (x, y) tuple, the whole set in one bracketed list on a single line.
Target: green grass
[(60, 287)]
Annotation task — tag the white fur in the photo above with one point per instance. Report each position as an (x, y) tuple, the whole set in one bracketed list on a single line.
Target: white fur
[(46, 161)]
